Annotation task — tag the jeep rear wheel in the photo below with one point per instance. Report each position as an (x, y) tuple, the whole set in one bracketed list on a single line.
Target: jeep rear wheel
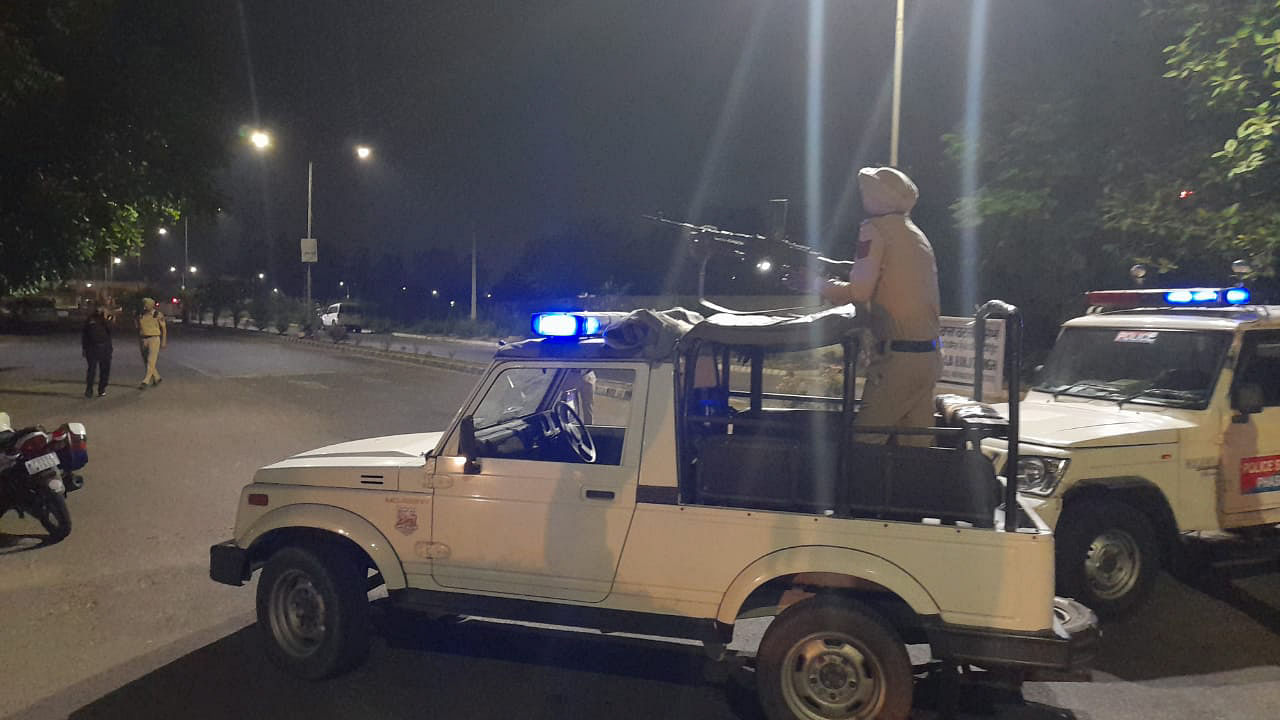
[(1108, 558), (827, 659), (313, 613)]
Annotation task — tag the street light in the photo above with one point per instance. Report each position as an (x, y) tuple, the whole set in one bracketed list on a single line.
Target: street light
[(261, 140), (435, 293), (162, 231), (192, 269), (173, 269), (116, 261), (262, 276)]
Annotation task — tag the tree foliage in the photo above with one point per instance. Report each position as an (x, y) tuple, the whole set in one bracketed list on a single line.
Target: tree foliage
[(1163, 156), (1210, 196), (1229, 56), (111, 115)]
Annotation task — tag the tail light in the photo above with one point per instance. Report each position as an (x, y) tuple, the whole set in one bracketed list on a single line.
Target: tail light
[(73, 445), (33, 445), (74, 433)]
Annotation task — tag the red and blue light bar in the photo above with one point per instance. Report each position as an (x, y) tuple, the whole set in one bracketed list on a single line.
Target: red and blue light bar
[(1177, 297)]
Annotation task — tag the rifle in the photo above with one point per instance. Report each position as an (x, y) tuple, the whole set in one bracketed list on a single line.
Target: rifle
[(786, 257)]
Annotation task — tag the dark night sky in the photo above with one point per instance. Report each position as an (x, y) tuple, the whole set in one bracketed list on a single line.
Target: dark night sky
[(516, 118)]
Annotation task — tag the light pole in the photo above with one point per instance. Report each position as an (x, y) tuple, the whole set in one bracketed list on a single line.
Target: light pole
[(897, 86), (186, 261), (261, 140)]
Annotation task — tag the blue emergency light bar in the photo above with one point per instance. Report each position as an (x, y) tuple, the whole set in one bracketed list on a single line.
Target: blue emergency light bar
[(1181, 297), (566, 325), (1208, 296)]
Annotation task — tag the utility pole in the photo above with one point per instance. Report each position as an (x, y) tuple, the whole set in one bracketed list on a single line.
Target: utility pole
[(186, 260), (897, 87), (473, 276), (309, 310)]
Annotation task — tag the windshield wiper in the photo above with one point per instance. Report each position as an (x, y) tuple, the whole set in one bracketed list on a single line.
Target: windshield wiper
[(1165, 394), (1065, 389)]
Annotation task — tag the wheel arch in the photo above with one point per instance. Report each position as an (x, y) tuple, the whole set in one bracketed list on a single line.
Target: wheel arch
[(1136, 492), (837, 568), (311, 524)]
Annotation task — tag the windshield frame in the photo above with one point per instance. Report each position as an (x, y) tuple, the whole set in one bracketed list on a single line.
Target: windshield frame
[(1227, 353)]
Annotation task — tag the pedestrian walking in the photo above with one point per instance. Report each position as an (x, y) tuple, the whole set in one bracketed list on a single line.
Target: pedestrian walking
[(895, 276), (95, 344), (153, 335)]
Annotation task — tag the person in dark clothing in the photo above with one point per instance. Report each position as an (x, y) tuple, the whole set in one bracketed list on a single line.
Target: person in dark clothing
[(95, 342)]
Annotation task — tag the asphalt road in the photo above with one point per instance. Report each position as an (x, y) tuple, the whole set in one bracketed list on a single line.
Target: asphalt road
[(121, 621)]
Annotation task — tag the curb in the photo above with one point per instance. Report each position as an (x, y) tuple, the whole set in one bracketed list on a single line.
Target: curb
[(436, 361), (414, 358)]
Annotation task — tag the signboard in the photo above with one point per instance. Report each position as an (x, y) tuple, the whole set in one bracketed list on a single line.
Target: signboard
[(1260, 474), (309, 253), (956, 339)]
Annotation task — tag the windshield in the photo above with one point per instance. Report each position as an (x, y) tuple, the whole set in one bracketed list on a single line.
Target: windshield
[(1163, 367)]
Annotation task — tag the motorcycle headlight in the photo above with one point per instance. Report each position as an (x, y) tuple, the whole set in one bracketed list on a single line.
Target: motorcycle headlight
[(1040, 475)]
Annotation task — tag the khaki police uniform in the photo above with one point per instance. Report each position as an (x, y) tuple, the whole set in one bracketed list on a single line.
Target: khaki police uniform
[(895, 276), (152, 335)]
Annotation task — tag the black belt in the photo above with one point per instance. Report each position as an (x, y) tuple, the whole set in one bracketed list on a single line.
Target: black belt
[(909, 346)]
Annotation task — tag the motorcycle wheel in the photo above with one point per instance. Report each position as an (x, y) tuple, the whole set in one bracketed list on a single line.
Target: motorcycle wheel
[(53, 515)]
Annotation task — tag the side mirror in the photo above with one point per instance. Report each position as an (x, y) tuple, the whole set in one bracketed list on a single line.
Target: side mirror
[(1247, 399), (467, 445)]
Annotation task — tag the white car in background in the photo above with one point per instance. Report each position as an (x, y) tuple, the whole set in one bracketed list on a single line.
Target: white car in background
[(343, 314)]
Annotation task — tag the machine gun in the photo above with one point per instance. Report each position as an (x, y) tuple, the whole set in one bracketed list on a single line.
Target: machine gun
[(787, 258)]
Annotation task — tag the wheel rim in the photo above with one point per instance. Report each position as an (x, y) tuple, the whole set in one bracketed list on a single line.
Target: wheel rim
[(297, 614), (1113, 564), (831, 675)]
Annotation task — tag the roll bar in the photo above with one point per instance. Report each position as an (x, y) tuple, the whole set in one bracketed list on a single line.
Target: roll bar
[(1013, 354)]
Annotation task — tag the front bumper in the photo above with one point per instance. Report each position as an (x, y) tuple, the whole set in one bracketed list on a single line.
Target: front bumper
[(1069, 645), (229, 563)]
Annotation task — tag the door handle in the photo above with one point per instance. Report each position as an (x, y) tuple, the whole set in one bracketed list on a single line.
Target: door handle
[(599, 494)]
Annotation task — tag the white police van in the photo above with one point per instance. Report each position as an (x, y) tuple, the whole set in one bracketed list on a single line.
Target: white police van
[(628, 472), (1155, 420)]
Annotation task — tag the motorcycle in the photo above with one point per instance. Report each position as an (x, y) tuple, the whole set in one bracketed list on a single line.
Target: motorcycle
[(38, 470)]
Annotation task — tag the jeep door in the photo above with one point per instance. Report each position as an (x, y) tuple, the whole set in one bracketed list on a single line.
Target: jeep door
[(533, 518), (1251, 449)]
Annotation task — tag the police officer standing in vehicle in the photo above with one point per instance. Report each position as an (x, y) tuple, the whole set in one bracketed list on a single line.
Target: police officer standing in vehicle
[(152, 336), (95, 345), (895, 276)]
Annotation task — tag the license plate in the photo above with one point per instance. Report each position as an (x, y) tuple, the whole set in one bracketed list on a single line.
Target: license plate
[(42, 463)]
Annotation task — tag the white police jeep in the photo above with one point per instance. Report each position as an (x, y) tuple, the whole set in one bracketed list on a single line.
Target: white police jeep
[(1156, 416), (627, 473)]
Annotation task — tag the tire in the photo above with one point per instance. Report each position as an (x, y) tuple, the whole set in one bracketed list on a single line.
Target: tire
[(1107, 557), (53, 515), (827, 658), (313, 613)]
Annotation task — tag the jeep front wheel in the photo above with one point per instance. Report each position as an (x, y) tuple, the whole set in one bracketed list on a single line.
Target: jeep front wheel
[(1108, 558), (827, 658), (313, 613)]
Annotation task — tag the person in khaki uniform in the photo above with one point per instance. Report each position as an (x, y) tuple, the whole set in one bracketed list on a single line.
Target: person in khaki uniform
[(152, 336), (895, 276)]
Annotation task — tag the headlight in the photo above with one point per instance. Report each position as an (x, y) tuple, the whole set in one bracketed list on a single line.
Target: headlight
[(1040, 475)]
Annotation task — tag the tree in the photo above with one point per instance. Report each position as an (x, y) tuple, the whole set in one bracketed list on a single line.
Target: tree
[(110, 110), (1213, 197), (1126, 159)]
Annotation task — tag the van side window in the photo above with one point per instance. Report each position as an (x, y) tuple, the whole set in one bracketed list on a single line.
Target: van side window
[(1260, 363)]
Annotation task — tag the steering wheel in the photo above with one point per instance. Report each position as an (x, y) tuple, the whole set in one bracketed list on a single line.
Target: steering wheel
[(575, 432)]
